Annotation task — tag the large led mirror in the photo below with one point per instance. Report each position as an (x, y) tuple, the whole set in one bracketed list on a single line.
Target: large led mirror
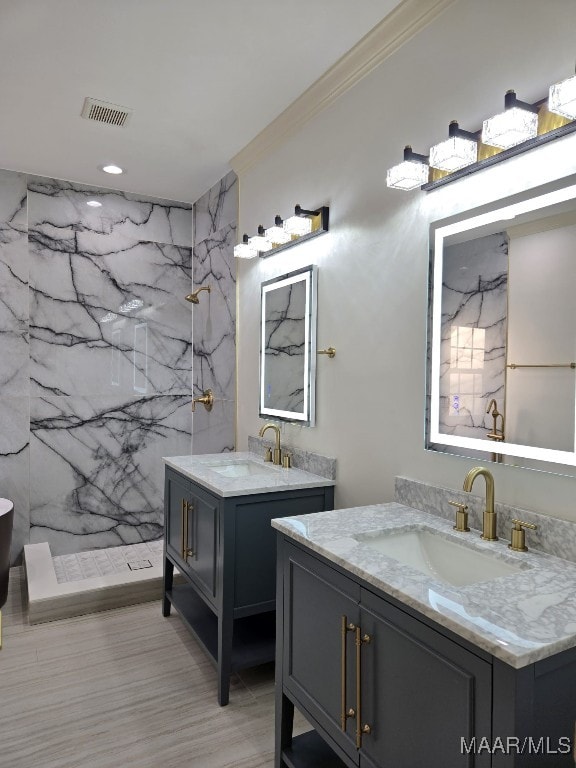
[(288, 347), (502, 358)]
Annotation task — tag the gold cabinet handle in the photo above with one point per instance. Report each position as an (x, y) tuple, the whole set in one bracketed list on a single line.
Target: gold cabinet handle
[(188, 552), (184, 530), (345, 627), (360, 729), (330, 351)]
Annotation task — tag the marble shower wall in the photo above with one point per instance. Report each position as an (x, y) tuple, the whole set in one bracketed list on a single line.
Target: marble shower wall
[(215, 217), (474, 318), (95, 379)]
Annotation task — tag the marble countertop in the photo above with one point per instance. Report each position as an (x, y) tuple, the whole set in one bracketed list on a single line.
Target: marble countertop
[(207, 470), (520, 618)]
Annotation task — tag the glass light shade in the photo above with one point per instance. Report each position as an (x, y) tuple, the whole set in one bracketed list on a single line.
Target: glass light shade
[(509, 128), (453, 154), (562, 98), (409, 174), (298, 225), (277, 235), (245, 251), (260, 243)]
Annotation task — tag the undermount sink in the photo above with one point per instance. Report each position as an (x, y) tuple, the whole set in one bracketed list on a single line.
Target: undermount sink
[(438, 557), (239, 468)]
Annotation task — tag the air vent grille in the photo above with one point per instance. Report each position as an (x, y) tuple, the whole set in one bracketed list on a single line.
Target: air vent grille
[(102, 112)]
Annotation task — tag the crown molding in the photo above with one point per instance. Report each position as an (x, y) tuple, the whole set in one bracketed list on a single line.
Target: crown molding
[(402, 24)]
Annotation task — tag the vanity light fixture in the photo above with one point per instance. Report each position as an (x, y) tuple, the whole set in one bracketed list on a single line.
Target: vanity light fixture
[(458, 151), (260, 242), (520, 127), (245, 250), (304, 225), (518, 123), (277, 235), (299, 224), (409, 174), (562, 98)]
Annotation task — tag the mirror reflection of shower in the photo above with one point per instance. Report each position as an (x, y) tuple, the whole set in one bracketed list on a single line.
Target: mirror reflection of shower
[(193, 297)]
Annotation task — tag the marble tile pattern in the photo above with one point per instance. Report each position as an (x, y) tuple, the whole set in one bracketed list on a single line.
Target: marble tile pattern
[(306, 460), (520, 618), (217, 209), (474, 316), (253, 474), (96, 381), (14, 353), (214, 318), (284, 348), (552, 536)]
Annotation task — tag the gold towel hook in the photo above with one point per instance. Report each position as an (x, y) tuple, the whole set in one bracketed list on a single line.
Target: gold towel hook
[(331, 352)]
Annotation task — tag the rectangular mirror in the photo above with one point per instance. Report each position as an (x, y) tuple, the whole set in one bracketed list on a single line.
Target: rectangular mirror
[(288, 347), (502, 331)]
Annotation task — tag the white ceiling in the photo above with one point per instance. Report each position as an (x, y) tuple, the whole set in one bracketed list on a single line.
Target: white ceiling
[(202, 76)]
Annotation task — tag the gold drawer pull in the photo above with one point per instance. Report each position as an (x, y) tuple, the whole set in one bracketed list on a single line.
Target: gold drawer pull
[(360, 640), (345, 627), (184, 531)]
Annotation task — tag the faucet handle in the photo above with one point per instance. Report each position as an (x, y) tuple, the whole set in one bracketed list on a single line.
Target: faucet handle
[(461, 516), (517, 535)]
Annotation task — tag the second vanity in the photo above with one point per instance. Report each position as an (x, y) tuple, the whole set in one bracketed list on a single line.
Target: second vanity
[(218, 509), (404, 663)]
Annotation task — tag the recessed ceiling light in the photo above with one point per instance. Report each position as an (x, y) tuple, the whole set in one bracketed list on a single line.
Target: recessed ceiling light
[(94, 204), (111, 169)]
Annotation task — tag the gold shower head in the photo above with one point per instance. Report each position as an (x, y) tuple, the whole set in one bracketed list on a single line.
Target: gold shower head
[(193, 297)]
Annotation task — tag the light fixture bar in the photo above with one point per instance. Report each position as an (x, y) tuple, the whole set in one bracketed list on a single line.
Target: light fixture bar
[(304, 225)]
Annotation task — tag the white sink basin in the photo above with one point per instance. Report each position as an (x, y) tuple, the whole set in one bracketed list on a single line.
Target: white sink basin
[(438, 557), (239, 468)]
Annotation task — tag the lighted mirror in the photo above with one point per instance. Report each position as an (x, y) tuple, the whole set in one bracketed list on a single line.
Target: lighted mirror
[(288, 347), (502, 327)]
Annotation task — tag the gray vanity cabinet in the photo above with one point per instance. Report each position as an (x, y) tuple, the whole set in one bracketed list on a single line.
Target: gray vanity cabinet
[(225, 551), (191, 533), (381, 688)]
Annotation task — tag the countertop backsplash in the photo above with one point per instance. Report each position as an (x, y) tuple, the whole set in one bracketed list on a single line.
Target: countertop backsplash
[(325, 466), (553, 536)]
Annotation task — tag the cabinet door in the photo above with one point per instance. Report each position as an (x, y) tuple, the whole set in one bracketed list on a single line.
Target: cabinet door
[(421, 693), (201, 544), (176, 496), (318, 655)]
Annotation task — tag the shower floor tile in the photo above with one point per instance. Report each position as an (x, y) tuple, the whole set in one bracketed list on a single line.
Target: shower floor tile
[(87, 582)]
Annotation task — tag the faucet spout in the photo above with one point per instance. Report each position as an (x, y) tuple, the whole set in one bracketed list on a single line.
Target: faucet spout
[(277, 451), (489, 518)]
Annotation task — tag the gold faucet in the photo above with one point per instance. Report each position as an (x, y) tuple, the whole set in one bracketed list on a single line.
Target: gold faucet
[(277, 452), (489, 519), (497, 435)]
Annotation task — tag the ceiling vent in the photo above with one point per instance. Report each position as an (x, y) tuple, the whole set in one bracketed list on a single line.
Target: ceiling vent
[(103, 112)]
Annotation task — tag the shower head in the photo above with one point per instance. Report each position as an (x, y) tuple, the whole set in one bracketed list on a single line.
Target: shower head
[(193, 297)]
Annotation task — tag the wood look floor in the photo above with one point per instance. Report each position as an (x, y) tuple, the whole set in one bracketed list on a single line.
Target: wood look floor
[(125, 688)]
